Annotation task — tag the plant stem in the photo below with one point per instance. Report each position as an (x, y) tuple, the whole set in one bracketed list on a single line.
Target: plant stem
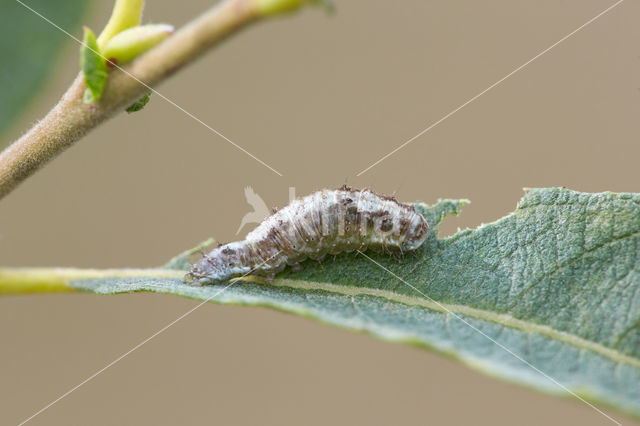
[(71, 118), (57, 280)]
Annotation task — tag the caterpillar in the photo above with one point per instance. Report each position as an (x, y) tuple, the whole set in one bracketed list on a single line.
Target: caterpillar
[(325, 222)]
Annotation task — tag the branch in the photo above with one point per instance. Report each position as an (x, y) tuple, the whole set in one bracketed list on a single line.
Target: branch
[(71, 118)]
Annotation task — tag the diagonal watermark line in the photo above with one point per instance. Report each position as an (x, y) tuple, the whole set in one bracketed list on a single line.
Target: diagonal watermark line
[(491, 87), (500, 345), (154, 90), (136, 347), (115, 361)]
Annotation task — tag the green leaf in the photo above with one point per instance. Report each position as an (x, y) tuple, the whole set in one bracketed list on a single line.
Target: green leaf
[(140, 103), (93, 67), (31, 48), (556, 282)]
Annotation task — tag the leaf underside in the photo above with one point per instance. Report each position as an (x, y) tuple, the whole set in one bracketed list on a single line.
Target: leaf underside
[(548, 296)]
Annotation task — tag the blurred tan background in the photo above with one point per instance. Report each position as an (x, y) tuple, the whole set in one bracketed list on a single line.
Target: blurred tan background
[(318, 98)]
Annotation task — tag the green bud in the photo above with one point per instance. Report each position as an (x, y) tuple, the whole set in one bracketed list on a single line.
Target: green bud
[(139, 104), (126, 14), (275, 7), (130, 43)]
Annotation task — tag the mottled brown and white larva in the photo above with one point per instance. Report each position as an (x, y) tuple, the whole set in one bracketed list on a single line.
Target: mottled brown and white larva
[(325, 222)]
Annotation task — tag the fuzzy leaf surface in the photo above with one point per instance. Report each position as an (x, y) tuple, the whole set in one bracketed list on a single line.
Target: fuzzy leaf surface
[(548, 295)]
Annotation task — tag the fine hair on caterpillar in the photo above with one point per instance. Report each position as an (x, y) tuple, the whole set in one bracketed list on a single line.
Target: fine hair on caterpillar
[(325, 222)]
